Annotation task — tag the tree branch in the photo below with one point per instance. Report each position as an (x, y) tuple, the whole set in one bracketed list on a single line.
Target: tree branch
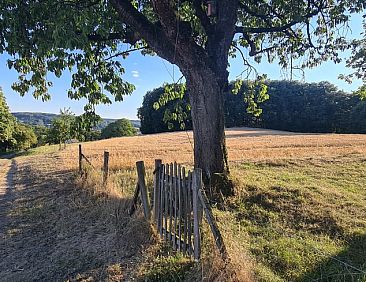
[(280, 28), (111, 36), (180, 35), (226, 20), (202, 16), (245, 62), (124, 53), (152, 33), (219, 42), (242, 29), (253, 49), (253, 13)]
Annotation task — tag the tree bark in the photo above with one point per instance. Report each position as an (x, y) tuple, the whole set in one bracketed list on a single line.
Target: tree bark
[(206, 99)]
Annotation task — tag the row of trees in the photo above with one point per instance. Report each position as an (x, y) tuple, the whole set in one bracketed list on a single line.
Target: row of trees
[(13, 135), (292, 106), (68, 127)]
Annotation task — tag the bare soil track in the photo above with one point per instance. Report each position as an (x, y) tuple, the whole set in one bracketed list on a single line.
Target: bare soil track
[(51, 230)]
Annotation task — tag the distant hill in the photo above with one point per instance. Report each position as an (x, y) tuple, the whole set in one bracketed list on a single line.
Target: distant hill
[(45, 119)]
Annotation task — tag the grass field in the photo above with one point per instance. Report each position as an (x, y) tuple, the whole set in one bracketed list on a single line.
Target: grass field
[(300, 207), (243, 145), (299, 212)]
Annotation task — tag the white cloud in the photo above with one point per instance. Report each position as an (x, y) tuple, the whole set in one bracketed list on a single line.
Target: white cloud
[(135, 74)]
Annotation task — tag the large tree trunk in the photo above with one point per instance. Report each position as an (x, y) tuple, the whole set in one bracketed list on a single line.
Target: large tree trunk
[(206, 99), (204, 67)]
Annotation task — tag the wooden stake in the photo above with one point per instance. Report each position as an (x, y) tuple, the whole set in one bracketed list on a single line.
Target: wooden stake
[(105, 167), (144, 195), (134, 200), (80, 160)]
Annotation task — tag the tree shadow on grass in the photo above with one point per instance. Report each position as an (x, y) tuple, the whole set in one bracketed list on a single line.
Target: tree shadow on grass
[(56, 231), (348, 265)]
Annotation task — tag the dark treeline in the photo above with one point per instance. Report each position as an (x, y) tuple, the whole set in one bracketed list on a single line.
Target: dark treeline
[(292, 106)]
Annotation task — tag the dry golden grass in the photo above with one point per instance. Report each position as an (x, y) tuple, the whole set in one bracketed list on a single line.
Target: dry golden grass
[(243, 144), (55, 229)]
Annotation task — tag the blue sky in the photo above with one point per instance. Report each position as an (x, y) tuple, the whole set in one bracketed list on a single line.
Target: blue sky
[(147, 73)]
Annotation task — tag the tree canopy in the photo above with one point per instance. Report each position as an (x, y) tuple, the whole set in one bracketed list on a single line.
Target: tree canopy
[(24, 136), (358, 62), (88, 38), (119, 128), (62, 128), (7, 124), (164, 116), (13, 135)]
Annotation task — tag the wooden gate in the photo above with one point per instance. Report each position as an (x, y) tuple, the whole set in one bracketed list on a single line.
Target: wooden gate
[(177, 212), (179, 202)]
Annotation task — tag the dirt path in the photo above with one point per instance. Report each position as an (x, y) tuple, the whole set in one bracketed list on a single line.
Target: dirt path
[(53, 230)]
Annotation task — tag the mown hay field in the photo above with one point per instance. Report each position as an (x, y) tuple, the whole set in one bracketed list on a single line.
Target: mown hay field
[(299, 213), (244, 144)]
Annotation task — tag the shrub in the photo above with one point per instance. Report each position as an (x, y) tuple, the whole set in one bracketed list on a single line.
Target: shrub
[(119, 128)]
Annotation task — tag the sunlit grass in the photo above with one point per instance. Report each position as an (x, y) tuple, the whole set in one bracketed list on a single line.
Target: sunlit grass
[(46, 149), (299, 208)]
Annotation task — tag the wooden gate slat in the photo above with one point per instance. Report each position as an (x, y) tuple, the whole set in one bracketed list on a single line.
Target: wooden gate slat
[(180, 206), (156, 198), (196, 186), (162, 195), (185, 208), (175, 200), (189, 212), (171, 202), (166, 192)]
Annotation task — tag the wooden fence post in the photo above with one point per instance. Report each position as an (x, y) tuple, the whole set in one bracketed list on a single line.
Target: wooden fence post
[(156, 199), (134, 200), (80, 160), (214, 228), (196, 186), (143, 189), (105, 167)]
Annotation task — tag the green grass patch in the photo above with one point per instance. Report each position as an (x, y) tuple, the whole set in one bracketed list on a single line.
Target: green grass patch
[(168, 268), (31, 152), (302, 220)]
